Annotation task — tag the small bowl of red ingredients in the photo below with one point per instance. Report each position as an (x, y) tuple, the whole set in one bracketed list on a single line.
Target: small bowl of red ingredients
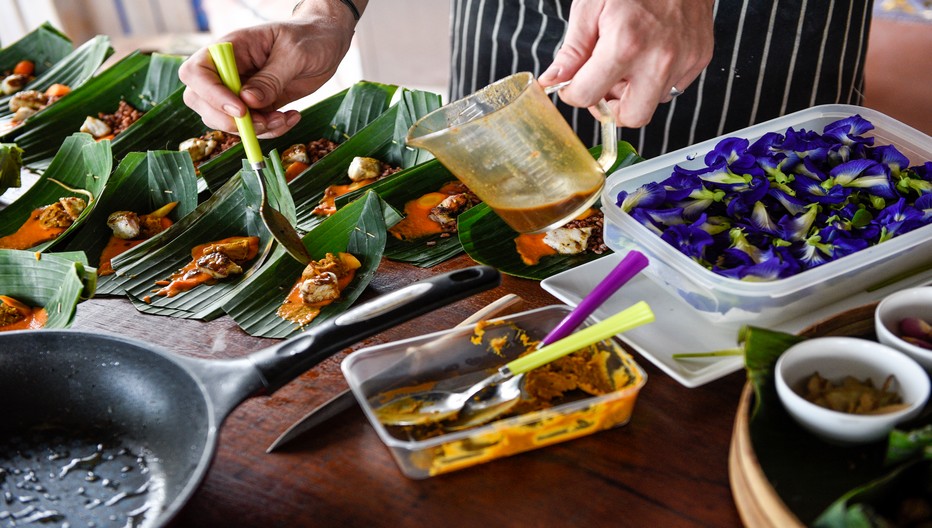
[(903, 320)]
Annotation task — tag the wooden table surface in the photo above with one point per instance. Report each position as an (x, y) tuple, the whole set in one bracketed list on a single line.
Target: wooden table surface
[(667, 467)]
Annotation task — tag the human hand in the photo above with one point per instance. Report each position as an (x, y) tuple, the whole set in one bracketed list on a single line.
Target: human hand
[(278, 63), (631, 53)]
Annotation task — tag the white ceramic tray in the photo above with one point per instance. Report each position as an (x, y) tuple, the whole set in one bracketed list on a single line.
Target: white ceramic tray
[(678, 327)]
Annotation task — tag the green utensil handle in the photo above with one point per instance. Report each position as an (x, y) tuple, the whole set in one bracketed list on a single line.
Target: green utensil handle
[(225, 61), (623, 321)]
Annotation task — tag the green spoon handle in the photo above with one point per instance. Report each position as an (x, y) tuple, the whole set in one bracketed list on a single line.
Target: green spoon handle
[(623, 321), (225, 61)]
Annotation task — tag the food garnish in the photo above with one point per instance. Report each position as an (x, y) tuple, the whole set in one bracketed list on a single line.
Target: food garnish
[(786, 203), (131, 229), (320, 284), (45, 223), (361, 172), (435, 212), (27, 103), (916, 331), (584, 233), (19, 77), (210, 262), (108, 126), (208, 145), (852, 395), (15, 315), (297, 158)]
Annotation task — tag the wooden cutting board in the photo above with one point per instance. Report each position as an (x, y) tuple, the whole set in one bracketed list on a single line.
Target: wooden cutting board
[(758, 503)]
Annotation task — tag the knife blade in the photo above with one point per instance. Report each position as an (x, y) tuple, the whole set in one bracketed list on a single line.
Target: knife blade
[(345, 399)]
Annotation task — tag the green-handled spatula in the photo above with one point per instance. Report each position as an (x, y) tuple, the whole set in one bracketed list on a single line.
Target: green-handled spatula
[(282, 230)]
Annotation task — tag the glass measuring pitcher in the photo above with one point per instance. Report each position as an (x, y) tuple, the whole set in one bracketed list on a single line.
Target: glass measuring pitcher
[(511, 146)]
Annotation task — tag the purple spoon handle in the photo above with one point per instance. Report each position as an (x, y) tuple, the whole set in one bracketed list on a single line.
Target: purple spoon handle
[(629, 266)]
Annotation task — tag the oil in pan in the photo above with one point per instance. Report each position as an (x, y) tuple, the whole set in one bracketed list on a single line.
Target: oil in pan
[(59, 476)]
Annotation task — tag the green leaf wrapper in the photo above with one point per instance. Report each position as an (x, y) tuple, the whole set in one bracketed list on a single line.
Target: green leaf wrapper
[(81, 163), (55, 281), (358, 229), (142, 183), (142, 80), (11, 164), (336, 118), (382, 139)]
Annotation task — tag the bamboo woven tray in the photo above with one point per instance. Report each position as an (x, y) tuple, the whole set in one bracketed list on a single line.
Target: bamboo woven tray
[(758, 503)]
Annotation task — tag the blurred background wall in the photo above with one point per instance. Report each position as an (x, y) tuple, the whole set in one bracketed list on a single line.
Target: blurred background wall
[(406, 42)]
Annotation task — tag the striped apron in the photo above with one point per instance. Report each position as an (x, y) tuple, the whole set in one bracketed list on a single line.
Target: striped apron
[(772, 57)]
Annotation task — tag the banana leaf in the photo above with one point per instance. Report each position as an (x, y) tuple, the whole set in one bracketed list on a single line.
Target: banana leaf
[(399, 190), (335, 118), (55, 281), (11, 163), (142, 80), (382, 139), (143, 182), (81, 163), (44, 46), (808, 474), (358, 228), (487, 239), (880, 502), (231, 211), (72, 70)]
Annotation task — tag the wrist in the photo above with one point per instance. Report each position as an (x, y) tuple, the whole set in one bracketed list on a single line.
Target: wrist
[(344, 12)]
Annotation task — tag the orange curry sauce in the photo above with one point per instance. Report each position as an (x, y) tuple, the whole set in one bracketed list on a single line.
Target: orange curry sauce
[(182, 280), (31, 233), (35, 317), (294, 300), (116, 246), (328, 206), (416, 223), (531, 247)]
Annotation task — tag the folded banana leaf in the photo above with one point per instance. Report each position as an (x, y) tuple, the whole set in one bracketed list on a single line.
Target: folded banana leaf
[(11, 163), (487, 239), (807, 473), (142, 183), (44, 46), (142, 80), (382, 139), (405, 186), (82, 164), (231, 211), (72, 70), (55, 281), (358, 229), (335, 118)]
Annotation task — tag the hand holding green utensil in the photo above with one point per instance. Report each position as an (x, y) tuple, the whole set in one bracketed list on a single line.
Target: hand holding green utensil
[(280, 227)]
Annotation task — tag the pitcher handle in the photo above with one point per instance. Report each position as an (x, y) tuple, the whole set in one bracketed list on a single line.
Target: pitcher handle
[(607, 122)]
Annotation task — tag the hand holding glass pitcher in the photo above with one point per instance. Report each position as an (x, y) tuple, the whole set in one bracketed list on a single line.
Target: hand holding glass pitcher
[(511, 146)]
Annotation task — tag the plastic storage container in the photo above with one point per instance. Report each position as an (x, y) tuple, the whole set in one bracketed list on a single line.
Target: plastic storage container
[(905, 260), (451, 359)]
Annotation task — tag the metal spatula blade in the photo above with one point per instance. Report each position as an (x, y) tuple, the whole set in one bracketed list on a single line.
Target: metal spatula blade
[(279, 226)]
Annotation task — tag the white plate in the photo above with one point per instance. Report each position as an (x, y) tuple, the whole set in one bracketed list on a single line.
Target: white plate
[(678, 327)]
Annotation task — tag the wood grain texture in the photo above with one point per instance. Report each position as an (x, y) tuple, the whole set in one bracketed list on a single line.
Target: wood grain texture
[(667, 467)]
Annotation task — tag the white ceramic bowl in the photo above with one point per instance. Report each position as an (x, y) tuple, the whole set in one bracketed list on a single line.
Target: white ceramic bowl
[(911, 302), (834, 358)]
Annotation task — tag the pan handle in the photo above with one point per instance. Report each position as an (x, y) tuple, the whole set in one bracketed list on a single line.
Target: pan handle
[(279, 364)]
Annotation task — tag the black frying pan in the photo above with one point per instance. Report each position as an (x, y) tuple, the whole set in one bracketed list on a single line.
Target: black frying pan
[(117, 432)]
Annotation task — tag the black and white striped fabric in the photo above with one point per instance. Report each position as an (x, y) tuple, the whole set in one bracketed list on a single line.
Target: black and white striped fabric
[(772, 57)]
